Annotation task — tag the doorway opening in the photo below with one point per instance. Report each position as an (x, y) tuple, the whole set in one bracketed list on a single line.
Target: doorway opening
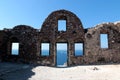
[(61, 55)]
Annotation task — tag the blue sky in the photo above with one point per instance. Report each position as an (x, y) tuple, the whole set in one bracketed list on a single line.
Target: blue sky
[(34, 12)]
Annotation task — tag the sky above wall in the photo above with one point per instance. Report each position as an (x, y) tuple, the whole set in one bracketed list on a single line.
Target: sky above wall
[(34, 12)]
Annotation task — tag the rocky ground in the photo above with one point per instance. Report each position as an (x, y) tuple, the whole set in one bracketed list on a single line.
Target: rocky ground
[(12, 71)]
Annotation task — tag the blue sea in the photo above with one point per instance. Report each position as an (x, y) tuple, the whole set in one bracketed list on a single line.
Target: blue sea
[(61, 56), (15, 52)]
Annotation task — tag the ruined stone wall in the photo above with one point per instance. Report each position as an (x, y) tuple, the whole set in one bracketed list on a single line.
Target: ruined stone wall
[(94, 52), (50, 33), (30, 40), (27, 38)]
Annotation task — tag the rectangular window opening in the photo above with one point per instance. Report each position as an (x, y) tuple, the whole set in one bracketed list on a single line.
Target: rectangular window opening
[(78, 49), (45, 49), (61, 25), (15, 48), (104, 40)]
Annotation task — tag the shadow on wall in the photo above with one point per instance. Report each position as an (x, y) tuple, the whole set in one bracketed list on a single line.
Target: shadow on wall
[(12, 71)]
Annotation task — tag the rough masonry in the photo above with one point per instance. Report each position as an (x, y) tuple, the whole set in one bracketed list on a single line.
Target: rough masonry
[(30, 40)]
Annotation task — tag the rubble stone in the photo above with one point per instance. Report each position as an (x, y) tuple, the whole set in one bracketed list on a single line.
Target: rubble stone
[(30, 40)]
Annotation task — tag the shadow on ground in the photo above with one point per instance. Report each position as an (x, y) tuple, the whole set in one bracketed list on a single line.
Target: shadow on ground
[(13, 71)]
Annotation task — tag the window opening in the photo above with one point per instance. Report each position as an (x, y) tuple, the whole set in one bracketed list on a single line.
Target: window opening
[(61, 25), (78, 49), (45, 49), (104, 40), (15, 48)]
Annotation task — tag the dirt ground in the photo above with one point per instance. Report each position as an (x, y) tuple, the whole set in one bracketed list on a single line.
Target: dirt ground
[(12, 71)]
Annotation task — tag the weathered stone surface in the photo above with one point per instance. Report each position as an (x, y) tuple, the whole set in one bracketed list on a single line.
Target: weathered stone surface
[(30, 40)]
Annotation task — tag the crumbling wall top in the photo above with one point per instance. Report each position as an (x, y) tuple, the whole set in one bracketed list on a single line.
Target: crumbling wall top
[(23, 27)]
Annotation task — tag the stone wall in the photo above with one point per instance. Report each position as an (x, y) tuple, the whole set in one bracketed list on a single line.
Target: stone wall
[(30, 40), (92, 44)]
